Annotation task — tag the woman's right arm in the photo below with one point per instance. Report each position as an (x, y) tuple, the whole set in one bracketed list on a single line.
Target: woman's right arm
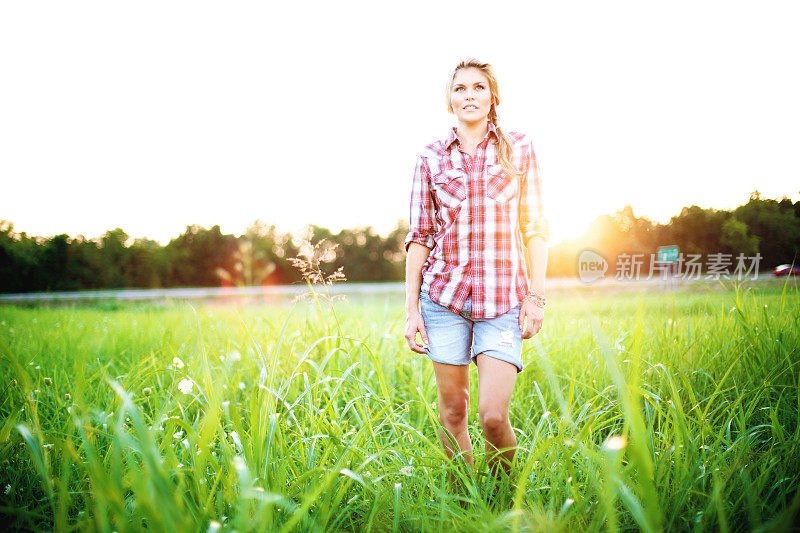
[(418, 243), (417, 255)]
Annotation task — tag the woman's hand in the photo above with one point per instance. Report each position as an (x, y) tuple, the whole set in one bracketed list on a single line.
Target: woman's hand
[(415, 324), (535, 316)]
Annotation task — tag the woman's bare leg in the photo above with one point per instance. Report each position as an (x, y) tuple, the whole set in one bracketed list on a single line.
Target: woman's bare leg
[(496, 380), (452, 382)]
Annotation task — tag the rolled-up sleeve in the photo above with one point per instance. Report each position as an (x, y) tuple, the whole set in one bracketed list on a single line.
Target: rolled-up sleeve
[(532, 221), (422, 220)]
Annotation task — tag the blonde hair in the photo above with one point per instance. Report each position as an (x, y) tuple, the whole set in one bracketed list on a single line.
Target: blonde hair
[(505, 150)]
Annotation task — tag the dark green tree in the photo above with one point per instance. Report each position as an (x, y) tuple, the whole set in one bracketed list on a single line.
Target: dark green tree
[(776, 226)]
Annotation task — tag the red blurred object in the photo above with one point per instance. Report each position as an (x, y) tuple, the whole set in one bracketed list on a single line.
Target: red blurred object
[(786, 270)]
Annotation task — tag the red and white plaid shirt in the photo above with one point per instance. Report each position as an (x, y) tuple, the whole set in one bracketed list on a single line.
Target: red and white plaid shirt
[(476, 220)]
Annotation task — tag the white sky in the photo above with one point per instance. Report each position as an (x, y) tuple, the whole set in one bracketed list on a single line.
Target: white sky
[(154, 115)]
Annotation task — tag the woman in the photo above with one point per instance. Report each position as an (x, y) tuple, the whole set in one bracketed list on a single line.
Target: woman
[(475, 269)]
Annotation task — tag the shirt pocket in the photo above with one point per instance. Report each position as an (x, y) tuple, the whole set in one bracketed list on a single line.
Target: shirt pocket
[(500, 187), (450, 187)]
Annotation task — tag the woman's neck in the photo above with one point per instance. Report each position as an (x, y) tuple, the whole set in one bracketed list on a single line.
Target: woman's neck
[(471, 133)]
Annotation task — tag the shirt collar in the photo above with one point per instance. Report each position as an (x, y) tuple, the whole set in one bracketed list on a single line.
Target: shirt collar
[(453, 137)]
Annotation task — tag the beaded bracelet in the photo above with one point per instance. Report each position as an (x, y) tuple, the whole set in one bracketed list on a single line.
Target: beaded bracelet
[(537, 299)]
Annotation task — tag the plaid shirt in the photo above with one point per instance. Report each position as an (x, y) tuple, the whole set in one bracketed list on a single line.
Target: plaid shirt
[(476, 220)]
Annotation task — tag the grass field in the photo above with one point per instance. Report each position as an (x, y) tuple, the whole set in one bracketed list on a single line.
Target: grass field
[(635, 411)]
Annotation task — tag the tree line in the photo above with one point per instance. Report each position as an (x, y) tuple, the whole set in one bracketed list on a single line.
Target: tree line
[(763, 226), (201, 257)]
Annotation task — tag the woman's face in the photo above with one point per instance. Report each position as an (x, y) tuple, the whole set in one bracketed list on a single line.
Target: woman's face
[(470, 96)]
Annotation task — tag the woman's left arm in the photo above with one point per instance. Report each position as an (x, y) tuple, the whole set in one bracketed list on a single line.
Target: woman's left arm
[(537, 261), (535, 232), (537, 266)]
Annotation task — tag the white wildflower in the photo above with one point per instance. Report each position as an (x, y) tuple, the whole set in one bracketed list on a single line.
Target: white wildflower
[(234, 356), (615, 443), (407, 470), (177, 434), (8, 489), (241, 385), (185, 386), (177, 363)]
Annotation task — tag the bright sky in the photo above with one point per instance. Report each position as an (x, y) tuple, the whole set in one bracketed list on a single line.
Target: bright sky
[(154, 115)]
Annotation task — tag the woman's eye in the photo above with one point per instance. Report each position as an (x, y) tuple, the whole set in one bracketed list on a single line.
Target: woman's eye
[(480, 87), (459, 89)]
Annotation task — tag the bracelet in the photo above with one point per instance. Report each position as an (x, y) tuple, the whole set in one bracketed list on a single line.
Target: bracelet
[(537, 299)]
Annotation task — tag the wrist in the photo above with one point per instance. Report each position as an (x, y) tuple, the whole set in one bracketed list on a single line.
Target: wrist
[(536, 298)]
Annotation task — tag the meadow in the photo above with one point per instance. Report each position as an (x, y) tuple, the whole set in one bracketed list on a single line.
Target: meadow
[(636, 411)]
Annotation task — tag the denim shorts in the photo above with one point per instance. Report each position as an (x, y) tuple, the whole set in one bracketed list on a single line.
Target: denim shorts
[(457, 338)]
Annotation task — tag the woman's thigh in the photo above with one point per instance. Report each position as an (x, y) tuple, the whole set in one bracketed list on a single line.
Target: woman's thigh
[(452, 385), (496, 379)]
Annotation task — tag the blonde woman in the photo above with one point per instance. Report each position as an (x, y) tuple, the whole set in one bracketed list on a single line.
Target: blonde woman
[(475, 269)]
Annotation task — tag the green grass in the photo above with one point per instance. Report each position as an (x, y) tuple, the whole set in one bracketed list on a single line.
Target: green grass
[(299, 419)]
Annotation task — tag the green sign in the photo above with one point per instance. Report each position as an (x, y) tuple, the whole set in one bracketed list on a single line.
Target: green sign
[(667, 254)]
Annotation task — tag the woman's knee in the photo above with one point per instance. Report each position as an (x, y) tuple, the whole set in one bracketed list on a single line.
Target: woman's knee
[(453, 411), (492, 419)]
